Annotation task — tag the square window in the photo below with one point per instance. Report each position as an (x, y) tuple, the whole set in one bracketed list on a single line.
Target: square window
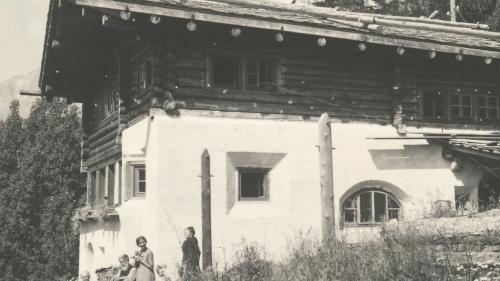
[(253, 183), (225, 71)]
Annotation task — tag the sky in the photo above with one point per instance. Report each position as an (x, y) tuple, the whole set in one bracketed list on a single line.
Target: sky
[(22, 32)]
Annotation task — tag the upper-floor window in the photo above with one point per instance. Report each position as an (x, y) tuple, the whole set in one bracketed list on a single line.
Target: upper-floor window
[(225, 72), (260, 73), (242, 72), (433, 105), (370, 207), (461, 106), (106, 104), (487, 107), (146, 75)]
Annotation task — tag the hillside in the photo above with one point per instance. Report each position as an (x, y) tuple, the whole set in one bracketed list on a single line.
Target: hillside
[(9, 90)]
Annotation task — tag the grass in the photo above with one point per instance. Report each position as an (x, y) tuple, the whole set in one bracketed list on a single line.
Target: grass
[(401, 255)]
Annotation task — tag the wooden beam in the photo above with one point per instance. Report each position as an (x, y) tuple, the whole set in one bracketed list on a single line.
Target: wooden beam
[(436, 28), (289, 27), (453, 11), (36, 93), (326, 178), (206, 212)]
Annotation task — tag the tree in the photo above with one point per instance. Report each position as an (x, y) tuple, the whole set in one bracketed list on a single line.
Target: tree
[(468, 11), (37, 241)]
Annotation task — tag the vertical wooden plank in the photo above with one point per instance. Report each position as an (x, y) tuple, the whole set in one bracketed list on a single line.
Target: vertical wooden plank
[(206, 216), (89, 189), (326, 178), (117, 186), (453, 13)]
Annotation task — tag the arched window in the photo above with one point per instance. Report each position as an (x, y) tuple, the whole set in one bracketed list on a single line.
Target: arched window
[(370, 206)]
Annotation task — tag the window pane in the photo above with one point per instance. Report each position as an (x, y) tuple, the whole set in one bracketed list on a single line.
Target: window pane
[(350, 203), (466, 100), (481, 112), (455, 99), (393, 214), (393, 203), (428, 104), (492, 101), (492, 113), (142, 186), (266, 72), (252, 184), (365, 206), (142, 174), (481, 101), (225, 71), (466, 112), (380, 207), (350, 216), (455, 111)]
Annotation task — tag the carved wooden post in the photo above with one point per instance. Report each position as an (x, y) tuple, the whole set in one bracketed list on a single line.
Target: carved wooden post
[(206, 216), (326, 178)]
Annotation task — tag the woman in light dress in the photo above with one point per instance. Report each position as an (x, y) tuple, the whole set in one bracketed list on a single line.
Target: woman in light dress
[(144, 261)]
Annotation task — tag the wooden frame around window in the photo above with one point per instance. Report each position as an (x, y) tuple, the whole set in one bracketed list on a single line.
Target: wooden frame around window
[(263, 185), (266, 68), (139, 182), (145, 75), (353, 206), (465, 106)]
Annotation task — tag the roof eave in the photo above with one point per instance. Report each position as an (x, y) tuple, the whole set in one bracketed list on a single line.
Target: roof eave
[(270, 24)]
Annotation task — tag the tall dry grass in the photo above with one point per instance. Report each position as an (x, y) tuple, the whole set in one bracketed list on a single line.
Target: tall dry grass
[(397, 256)]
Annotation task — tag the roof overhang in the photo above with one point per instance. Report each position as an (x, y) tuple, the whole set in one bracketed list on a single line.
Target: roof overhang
[(179, 11)]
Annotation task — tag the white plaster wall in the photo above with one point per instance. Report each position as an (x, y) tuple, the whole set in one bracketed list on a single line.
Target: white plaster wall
[(172, 146)]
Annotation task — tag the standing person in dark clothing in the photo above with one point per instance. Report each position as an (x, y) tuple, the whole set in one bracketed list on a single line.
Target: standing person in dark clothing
[(191, 255)]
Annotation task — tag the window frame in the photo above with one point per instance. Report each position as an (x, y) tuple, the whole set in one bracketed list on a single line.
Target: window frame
[(474, 107), (434, 105), (461, 106), (145, 83), (356, 196), (136, 181), (241, 77), (265, 183), (487, 107)]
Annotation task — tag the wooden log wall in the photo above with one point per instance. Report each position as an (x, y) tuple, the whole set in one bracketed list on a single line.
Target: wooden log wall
[(374, 85)]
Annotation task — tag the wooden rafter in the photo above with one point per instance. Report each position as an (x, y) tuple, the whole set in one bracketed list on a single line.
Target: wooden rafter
[(278, 25)]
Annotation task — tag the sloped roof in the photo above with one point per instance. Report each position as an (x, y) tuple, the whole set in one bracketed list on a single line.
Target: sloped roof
[(485, 148), (372, 28)]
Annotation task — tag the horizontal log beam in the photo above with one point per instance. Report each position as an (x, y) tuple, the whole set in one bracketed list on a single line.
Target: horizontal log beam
[(289, 27)]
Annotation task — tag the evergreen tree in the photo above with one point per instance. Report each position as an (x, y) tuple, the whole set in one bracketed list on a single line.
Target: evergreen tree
[(37, 241)]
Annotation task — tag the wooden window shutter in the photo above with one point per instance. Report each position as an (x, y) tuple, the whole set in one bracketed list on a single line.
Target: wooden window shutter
[(129, 182)]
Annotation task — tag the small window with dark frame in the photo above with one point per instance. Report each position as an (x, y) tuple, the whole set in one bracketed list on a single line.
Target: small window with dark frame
[(253, 184), (225, 71), (487, 107), (460, 106), (139, 180), (146, 75), (433, 104)]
